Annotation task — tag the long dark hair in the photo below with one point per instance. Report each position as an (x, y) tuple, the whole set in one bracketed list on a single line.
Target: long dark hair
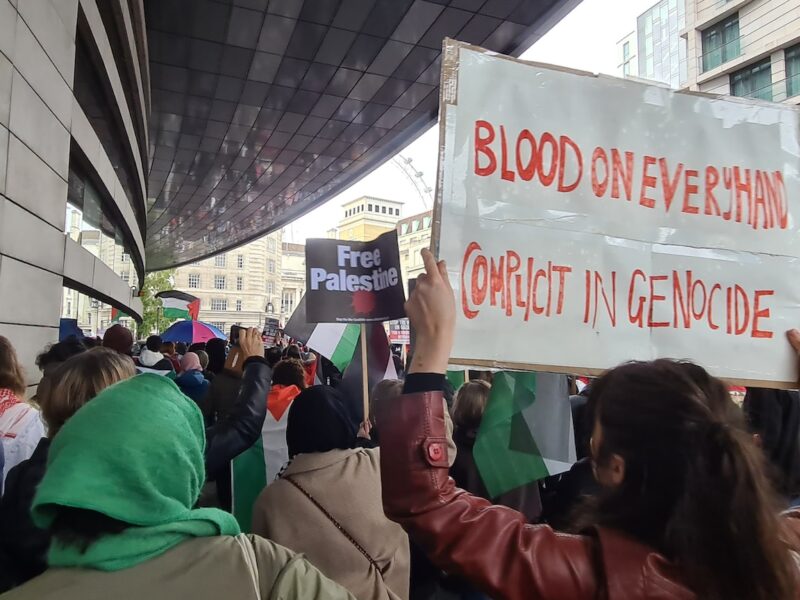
[(215, 348), (775, 416), (694, 487)]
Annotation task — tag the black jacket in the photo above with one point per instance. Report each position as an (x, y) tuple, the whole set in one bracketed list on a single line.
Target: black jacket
[(240, 429), (24, 546)]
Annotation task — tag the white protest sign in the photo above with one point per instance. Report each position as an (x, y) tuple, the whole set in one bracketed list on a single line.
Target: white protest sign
[(587, 221)]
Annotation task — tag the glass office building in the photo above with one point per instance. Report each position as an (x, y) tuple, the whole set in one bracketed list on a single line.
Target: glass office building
[(661, 50)]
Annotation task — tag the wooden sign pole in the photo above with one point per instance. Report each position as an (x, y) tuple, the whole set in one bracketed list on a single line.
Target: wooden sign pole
[(364, 371)]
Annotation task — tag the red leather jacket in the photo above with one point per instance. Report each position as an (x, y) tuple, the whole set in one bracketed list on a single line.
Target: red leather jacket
[(492, 546)]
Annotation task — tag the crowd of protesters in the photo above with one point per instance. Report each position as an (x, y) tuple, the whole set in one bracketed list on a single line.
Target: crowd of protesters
[(117, 472)]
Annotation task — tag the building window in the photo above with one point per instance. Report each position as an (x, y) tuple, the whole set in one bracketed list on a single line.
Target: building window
[(287, 301), (219, 304), (414, 225), (426, 222), (126, 258), (238, 306), (793, 71), (219, 282), (194, 280), (721, 43), (270, 287), (271, 244), (404, 229), (126, 277), (754, 81), (219, 325), (369, 207), (219, 260), (239, 284), (270, 265), (240, 261), (626, 51), (383, 210)]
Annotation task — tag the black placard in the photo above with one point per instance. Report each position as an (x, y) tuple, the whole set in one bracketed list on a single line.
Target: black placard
[(354, 282)]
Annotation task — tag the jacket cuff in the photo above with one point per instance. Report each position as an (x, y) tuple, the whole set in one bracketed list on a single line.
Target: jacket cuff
[(423, 382), (254, 359)]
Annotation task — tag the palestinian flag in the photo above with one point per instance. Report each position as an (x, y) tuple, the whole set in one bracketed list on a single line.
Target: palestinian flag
[(526, 433), (380, 367), (335, 341), (179, 305), (258, 466), (116, 315)]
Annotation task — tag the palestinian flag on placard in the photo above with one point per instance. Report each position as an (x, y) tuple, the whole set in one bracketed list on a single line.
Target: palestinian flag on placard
[(380, 363), (179, 305), (526, 433), (116, 315), (335, 341)]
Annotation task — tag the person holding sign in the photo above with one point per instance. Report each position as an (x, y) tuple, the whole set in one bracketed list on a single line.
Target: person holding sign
[(685, 511)]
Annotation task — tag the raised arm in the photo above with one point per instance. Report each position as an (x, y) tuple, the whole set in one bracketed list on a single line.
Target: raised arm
[(241, 428), (491, 546)]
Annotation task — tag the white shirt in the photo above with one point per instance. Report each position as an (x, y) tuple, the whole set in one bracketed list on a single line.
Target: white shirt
[(21, 428)]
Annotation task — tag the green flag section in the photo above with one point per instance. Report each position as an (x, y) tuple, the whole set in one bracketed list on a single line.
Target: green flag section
[(249, 475), (179, 305), (456, 378), (526, 433), (116, 315)]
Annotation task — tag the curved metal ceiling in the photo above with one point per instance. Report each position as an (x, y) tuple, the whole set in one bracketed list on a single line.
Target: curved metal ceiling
[(264, 109)]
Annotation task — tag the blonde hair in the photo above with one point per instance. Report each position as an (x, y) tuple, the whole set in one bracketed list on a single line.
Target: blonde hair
[(469, 404), (77, 380), (12, 376)]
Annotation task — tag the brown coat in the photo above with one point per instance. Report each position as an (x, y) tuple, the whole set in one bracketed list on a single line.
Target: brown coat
[(347, 483), (209, 568)]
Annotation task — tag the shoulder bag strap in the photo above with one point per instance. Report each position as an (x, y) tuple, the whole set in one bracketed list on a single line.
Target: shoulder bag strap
[(336, 524)]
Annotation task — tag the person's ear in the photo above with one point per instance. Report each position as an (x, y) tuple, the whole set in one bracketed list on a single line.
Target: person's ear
[(615, 470)]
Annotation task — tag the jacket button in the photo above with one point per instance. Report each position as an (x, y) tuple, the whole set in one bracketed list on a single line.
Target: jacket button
[(435, 452)]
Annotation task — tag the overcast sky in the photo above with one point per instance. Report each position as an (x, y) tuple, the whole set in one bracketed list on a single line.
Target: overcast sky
[(585, 39)]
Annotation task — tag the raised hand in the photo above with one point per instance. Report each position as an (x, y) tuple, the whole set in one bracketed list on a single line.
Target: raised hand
[(250, 343), (431, 309)]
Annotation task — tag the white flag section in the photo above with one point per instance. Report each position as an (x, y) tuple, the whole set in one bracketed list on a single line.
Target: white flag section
[(588, 220), (550, 421)]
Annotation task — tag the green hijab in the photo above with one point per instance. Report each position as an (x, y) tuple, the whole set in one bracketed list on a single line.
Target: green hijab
[(136, 454)]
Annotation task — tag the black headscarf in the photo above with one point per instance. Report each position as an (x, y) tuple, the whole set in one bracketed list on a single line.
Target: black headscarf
[(318, 422), (215, 348), (775, 416)]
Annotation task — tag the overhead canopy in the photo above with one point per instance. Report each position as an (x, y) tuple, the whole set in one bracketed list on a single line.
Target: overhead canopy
[(264, 109)]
